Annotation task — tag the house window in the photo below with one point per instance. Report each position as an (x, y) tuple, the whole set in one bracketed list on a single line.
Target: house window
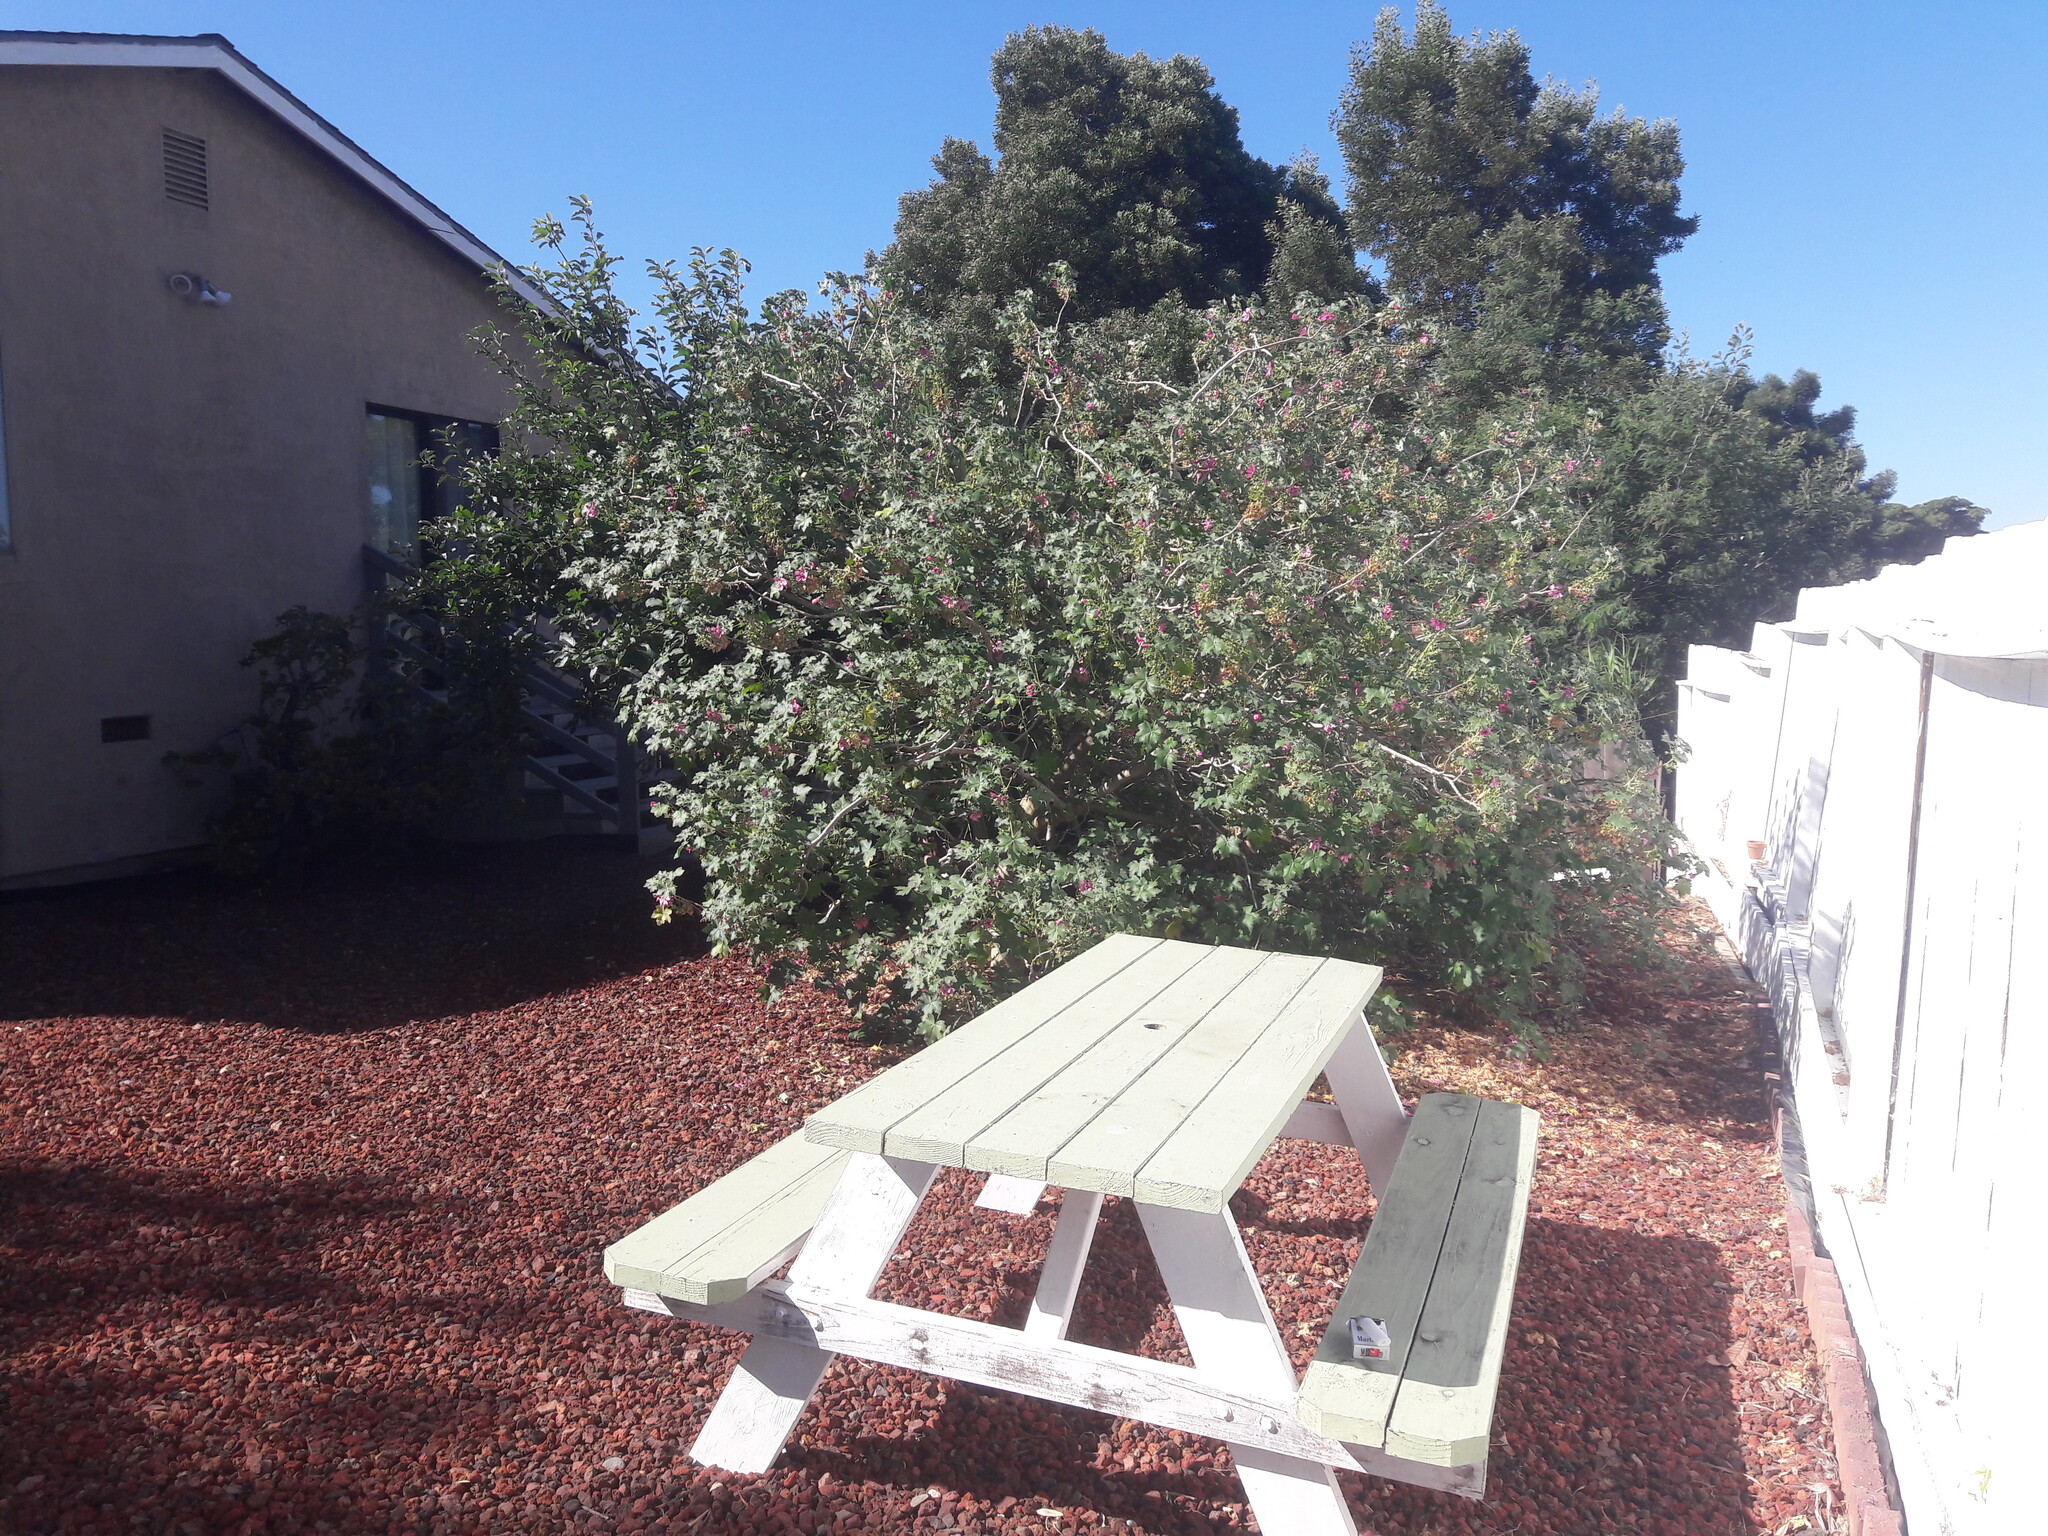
[(405, 491)]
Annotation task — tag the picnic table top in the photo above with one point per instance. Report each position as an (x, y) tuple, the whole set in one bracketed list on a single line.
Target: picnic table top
[(1147, 1068)]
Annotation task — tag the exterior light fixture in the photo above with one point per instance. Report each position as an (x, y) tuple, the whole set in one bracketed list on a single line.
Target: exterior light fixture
[(191, 286)]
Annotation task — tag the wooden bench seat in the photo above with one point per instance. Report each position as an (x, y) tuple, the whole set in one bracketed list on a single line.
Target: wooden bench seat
[(733, 1233), (1438, 1270)]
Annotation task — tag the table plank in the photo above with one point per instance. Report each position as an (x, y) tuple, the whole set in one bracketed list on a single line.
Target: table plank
[(940, 1129), (1024, 1140), (1349, 1399), (860, 1122), (1201, 1164), (1108, 1152), (1444, 1412)]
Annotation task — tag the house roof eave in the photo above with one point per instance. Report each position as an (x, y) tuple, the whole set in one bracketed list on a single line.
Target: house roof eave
[(209, 50)]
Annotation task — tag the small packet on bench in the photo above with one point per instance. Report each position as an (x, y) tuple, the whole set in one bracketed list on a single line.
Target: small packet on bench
[(1369, 1339)]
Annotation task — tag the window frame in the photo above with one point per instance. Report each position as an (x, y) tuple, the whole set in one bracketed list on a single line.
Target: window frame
[(434, 487)]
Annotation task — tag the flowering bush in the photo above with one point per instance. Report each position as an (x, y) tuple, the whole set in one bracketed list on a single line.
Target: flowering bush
[(963, 676)]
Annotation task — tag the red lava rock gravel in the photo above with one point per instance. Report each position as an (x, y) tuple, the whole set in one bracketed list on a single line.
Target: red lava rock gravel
[(304, 1196)]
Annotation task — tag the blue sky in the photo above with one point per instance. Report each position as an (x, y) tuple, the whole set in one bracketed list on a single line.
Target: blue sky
[(1872, 178)]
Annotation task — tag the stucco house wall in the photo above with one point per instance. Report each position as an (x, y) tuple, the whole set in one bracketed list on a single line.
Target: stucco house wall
[(179, 473)]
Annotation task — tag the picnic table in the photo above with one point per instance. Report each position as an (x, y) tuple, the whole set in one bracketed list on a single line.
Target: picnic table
[(1158, 1072)]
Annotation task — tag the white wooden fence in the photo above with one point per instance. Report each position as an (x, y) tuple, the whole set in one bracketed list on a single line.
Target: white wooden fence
[(1888, 749)]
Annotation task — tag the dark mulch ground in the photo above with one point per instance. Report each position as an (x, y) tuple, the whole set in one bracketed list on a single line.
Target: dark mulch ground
[(304, 1195)]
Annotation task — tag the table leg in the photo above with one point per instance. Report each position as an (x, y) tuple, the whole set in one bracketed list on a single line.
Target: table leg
[(846, 1252), (1052, 1304), (763, 1398), (1230, 1332), (1364, 1091)]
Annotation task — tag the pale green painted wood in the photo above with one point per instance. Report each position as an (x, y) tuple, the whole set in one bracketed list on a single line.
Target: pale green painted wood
[(1444, 1413), (1201, 1164), (1023, 1141), (941, 1129), (1351, 1400), (1106, 1155), (718, 1244), (861, 1121)]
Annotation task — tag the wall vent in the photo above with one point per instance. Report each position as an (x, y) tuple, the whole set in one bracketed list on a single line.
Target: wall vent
[(184, 168)]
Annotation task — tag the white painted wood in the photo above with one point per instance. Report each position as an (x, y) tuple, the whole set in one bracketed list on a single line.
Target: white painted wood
[(1313, 1120), (858, 1229), (1468, 1481), (1015, 1197), (1230, 1332), (1909, 1004), (762, 1400), (1292, 1493), (734, 1232), (948, 1121), (1201, 1164), (861, 1120), (861, 1223), (1366, 1098), (1052, 1304), (1054, 1370), (1026, 1137)]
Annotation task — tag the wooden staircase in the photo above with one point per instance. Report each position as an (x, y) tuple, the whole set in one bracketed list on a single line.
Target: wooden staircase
[(582, 773)]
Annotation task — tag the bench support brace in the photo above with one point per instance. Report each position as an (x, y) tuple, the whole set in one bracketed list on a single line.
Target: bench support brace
[(856, 1232), (1052, 1304), (1231, 1334)]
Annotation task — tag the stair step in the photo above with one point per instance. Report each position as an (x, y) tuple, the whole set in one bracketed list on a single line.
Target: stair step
[(593, 782)]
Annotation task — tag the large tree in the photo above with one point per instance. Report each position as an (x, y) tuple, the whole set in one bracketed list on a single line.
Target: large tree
[(1465, 176), (1523, 229), (1128, 170)]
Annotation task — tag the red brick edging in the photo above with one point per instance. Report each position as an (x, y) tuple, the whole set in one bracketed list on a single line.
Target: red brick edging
[(1869, 1511)]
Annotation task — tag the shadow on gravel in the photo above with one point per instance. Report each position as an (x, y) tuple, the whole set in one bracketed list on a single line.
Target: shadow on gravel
[(1616, 1410), (466, 929), (158, 1316), (104, 1241)]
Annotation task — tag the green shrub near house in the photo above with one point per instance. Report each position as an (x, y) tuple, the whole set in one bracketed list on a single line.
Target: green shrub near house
[(1221, 636)]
